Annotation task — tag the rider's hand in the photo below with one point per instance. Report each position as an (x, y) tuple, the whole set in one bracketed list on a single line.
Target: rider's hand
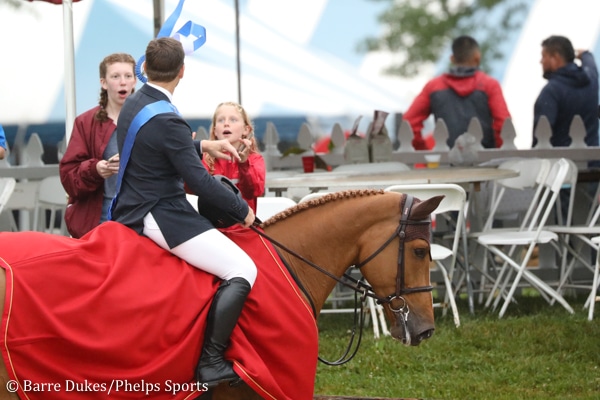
[(249, 219)]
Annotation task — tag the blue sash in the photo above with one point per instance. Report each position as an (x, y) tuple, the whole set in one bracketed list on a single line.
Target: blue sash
[(143, 116)]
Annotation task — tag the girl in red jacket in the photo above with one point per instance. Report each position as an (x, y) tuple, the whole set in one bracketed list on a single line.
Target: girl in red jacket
[(230, 121), (89, 167)]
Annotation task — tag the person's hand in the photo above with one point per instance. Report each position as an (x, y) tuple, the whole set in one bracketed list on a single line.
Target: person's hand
[(579, 52), (220, 149), (249, 219), (244, 150), (108, 168)]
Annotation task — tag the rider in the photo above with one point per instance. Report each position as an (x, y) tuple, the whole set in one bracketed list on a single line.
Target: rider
[(151, 199)]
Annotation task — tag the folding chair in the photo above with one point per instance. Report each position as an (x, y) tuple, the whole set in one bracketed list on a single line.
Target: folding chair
[(511, 199), (596, 281), (574, 239), (51, 196), (7, 186), (527, 237), (454, 201)]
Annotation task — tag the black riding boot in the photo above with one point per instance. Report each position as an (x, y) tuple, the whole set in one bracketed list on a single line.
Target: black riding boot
[(223, 315)]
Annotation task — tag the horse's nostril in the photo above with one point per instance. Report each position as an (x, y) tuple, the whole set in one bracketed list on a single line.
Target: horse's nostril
[(426, 334)]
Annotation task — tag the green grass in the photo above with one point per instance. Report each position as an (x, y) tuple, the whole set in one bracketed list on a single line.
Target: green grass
[(535, 351)]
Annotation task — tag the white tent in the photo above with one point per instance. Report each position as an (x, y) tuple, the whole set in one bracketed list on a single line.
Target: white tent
[(297, 58)]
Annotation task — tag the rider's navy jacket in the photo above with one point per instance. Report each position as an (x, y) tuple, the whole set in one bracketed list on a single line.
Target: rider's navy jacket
[(162, 158)]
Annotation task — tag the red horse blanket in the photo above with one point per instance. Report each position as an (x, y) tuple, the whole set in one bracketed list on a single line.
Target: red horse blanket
[(113, 315)]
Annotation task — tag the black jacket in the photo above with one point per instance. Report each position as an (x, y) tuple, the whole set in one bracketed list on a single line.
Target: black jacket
[(571, 90), (162, 158)]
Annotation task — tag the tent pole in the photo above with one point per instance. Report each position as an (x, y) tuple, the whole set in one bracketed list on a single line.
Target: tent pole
[(69, 68), (237, 50), (159, 11)]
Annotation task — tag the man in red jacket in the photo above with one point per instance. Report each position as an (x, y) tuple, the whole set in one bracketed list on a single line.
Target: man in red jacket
[(457, 96)]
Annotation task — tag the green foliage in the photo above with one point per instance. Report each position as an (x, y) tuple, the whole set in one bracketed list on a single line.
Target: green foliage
[(536, 352), (12, 3), (419, 30)]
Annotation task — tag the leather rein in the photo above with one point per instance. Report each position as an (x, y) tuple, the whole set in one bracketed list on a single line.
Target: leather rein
[(359, 286)]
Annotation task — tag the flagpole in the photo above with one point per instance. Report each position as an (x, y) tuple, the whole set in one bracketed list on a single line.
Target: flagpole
[(69, 68)]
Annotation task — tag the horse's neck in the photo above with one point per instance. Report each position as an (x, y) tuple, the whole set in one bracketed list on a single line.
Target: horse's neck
[(319, 236)]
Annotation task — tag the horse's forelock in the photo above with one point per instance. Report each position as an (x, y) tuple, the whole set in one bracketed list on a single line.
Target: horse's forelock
[(326, 198), (420, 228)]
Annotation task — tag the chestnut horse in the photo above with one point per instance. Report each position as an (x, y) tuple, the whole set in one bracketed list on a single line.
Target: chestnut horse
[(386, 235)]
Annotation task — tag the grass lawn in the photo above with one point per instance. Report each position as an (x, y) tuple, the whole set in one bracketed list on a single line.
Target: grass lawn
[(535, 351)]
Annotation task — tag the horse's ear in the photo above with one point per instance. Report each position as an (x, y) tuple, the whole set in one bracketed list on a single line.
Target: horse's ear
[(425, 208)]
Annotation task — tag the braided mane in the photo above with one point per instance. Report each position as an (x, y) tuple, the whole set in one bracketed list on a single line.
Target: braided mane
[(326, 198)]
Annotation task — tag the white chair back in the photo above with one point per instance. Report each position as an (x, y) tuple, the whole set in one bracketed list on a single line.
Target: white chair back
[(532, 172), (51, 196), (7, 186), (266, 207)]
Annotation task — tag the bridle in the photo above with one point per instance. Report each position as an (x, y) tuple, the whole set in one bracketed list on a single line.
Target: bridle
[(359, 286)]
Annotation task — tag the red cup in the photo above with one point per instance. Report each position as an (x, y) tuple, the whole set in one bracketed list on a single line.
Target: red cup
[(308, 163)]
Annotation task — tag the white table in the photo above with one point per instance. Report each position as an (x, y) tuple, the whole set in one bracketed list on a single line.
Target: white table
[(365, 180)]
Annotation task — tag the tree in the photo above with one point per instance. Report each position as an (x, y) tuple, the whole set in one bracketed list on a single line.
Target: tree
[(12, 3), (419, 30)]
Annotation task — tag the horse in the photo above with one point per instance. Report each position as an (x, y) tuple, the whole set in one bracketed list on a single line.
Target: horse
[(384, 234)]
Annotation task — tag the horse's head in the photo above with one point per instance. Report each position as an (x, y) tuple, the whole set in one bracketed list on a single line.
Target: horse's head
[(380, 232), (399, 271)]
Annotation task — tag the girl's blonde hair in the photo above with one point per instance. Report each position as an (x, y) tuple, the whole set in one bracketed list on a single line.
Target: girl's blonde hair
[(210, 161)]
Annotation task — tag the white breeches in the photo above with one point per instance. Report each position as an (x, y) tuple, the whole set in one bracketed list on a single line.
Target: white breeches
[(211, 251)]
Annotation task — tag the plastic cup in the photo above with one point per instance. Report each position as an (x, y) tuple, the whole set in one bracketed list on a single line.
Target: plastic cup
[(433, 160), (308, 163)]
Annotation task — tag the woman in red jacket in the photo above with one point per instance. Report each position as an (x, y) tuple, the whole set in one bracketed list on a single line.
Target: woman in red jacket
[(230, 121), (89, 167)]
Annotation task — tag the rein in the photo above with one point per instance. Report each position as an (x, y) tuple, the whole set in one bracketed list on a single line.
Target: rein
[(360, 287)]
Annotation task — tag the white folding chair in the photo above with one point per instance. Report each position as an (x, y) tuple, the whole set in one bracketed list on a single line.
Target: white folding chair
[(596, 281), (52, 197), (455, 199), (575, 239), (266, 207), (7, 186), (527, 237), (511, 200), (23, 200)]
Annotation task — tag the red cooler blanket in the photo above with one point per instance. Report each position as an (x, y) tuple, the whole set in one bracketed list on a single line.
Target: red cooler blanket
[(113, 315)]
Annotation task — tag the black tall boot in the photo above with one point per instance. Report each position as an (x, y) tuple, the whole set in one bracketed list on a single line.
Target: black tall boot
[(223, 315)]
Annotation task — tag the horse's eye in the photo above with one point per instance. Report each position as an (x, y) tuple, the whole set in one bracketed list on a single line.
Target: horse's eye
[(420, 253)]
